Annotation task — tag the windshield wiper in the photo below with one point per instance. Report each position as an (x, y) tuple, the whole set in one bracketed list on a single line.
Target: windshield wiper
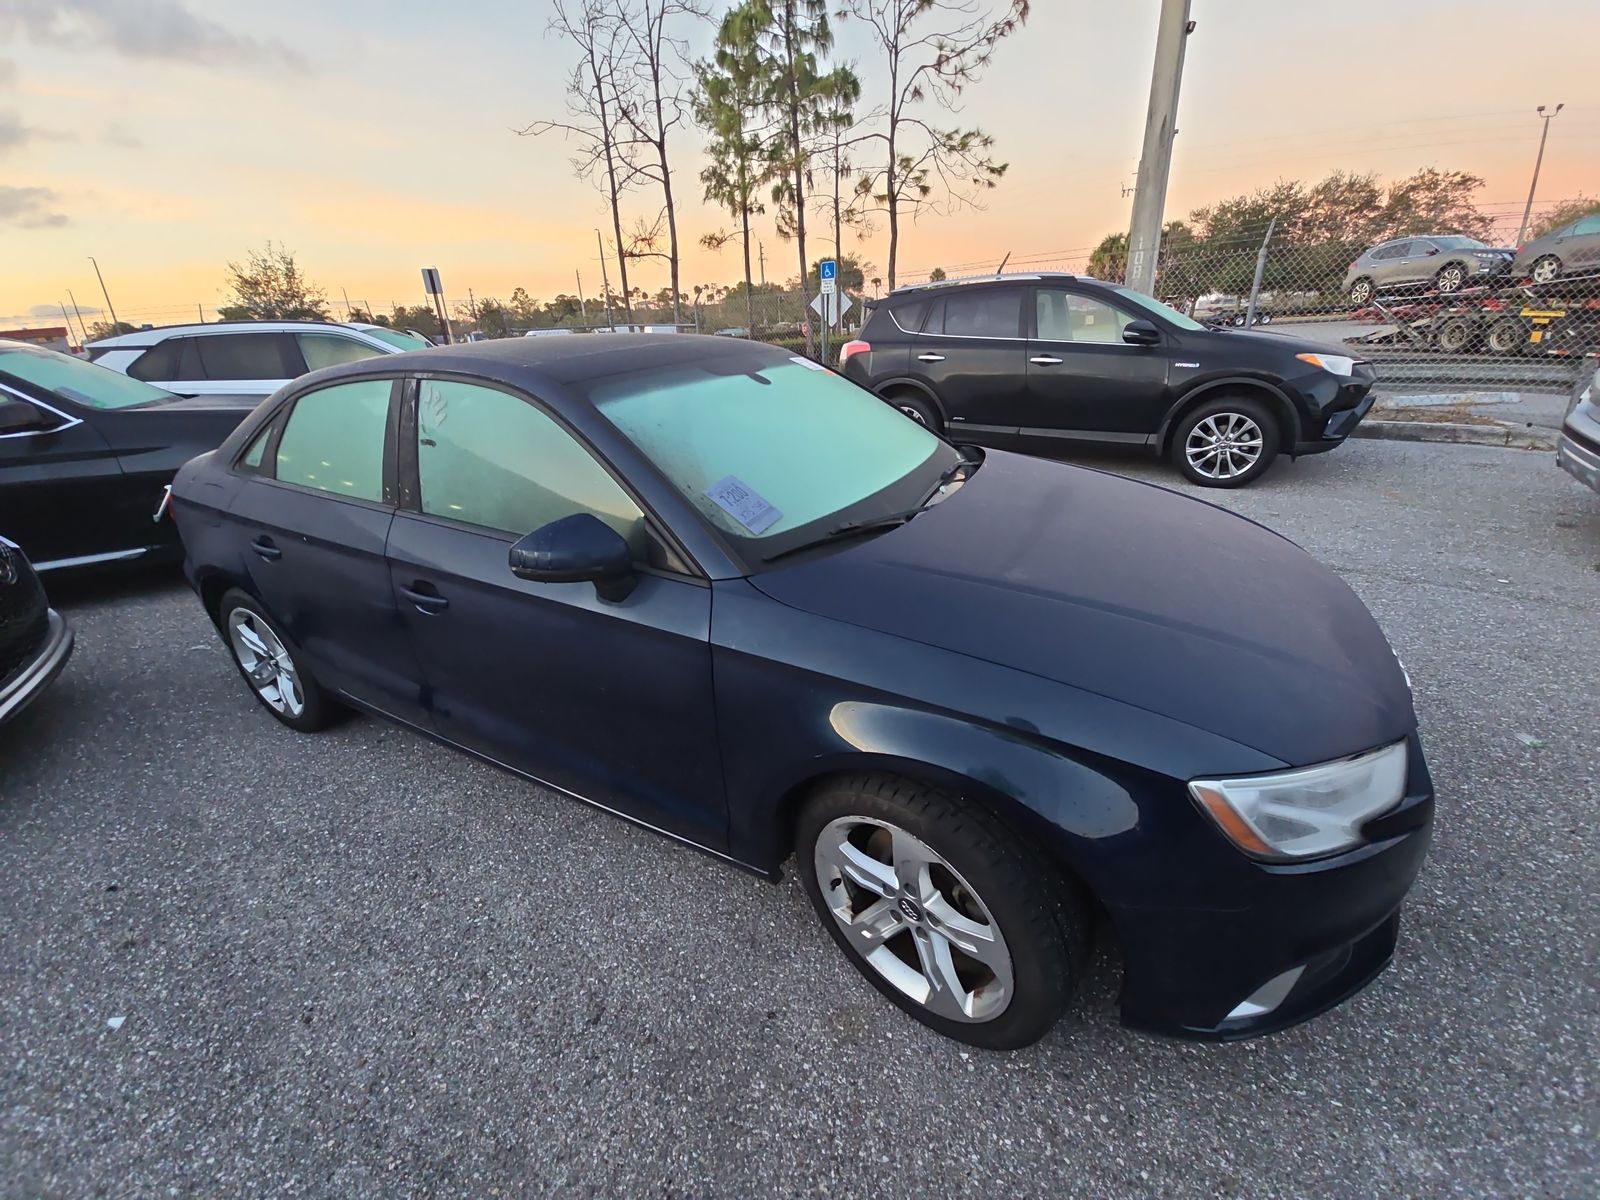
[(885, 521), (850, 529)]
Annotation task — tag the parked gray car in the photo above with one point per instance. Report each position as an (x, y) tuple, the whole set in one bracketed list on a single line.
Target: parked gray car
[(1446, 262), (1578, 451), (1571, 250)]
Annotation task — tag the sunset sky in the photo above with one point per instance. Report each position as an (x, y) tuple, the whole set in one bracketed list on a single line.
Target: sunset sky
[(168, 136)]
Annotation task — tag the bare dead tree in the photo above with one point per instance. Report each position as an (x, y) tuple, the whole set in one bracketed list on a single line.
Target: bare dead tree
[(605, 150), (931, 48), (653, 101)]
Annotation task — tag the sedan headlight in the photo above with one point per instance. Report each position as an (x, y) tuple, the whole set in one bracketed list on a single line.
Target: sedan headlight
[(1306, 812), (1334, 364)]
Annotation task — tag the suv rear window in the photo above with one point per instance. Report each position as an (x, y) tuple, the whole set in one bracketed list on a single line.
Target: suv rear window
[(158, 362), (886, 321), (994, 313)]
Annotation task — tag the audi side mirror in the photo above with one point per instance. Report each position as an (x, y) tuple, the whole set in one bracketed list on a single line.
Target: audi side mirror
[(576, 549), (18, 416), (1141, 333)]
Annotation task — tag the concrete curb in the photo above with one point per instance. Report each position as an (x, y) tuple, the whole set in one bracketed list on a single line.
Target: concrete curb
[(1517, 436)]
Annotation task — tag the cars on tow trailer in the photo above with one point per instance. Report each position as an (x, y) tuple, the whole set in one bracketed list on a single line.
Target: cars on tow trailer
[(86, 455), (1442, 262), (1038, 362), (727, 594), (35, 640), (1574, 249)]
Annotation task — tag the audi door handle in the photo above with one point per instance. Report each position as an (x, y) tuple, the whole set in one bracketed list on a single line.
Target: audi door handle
[(1045, 360), (264, 547), (930, 358), (430, 603)]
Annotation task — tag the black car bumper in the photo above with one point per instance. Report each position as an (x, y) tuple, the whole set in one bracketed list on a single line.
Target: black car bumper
[(1339, 415), (32, 677), (1312, 935)]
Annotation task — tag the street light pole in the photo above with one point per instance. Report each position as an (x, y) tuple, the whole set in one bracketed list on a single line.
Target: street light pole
[(1155, 160), (104, 293), (79, 314), (1537, 163)]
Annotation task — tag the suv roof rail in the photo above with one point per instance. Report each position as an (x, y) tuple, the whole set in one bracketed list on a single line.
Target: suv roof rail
[(987, 277)]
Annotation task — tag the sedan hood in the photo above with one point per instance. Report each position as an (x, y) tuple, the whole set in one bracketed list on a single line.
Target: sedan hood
[(1129, 591)]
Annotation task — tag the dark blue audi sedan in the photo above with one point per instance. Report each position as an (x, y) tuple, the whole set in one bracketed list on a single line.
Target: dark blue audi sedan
[(727, 594)]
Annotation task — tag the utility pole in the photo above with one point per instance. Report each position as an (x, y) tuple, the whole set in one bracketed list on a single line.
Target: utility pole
[(1155, 159), (343, 292), (605, 281), (1261, 267), (67, 321), (583, 306), (200, 312), (103, 292), (79, 314), (1537, 163), (762, 246)]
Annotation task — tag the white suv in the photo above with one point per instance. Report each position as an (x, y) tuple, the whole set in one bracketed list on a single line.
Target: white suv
[(243, 358)]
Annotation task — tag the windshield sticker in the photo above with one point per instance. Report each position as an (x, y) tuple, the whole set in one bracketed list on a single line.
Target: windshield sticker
[(807, 363), (741, 503)]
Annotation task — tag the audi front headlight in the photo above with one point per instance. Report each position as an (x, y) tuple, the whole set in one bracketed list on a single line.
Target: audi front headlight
[(1307, 812)]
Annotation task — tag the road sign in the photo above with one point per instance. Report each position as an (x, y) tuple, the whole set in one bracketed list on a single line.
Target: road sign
[(831, 306), (430, 281), (830, 276)]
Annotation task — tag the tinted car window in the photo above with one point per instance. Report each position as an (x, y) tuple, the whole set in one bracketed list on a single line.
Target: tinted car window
[(244, 356), (331, 349), (489, 458), (252, 458), (1398, 250), (909, 316), (158, 362), (1587, 225), (1069, 317), (987, 313), (334, 439)]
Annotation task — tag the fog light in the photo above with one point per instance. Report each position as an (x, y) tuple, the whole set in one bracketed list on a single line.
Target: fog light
[(1268, 996)]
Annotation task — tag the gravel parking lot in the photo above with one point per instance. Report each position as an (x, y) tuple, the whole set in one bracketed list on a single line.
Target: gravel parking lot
[(360, 964)]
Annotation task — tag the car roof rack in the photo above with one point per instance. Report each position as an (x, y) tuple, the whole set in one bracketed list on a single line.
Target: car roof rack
[(987, 277)]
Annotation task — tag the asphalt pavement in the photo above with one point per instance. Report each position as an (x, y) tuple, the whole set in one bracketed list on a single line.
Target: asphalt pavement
[(360, 964)]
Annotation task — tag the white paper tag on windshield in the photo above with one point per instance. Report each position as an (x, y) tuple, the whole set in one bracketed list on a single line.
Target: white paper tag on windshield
[(740, 502), (807, 363)]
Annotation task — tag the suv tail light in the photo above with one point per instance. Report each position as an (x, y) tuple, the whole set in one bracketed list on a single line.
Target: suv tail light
[(1354, 262), (850, 349)]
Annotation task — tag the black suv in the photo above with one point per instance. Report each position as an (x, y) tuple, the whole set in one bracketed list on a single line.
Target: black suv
[(1035, 362)]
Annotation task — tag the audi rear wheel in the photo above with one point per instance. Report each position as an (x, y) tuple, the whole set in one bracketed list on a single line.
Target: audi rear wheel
[(271, 667)]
